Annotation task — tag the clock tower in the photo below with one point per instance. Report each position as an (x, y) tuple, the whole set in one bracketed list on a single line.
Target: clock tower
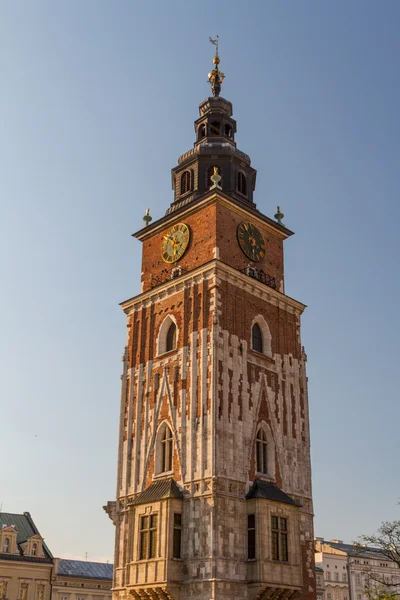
[(214, 479)]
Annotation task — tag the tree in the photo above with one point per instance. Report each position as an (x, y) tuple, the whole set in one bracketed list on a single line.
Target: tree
[(387, 543)]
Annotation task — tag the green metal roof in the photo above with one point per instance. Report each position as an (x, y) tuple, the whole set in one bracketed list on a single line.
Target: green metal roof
[(25, 527)]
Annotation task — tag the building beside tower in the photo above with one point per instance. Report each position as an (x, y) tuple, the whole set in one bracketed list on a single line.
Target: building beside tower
[(214, 495)]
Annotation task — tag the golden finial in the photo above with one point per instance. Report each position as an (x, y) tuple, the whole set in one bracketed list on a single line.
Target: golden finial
[(147, 217), (215, 178), (279, 216), (216, 77)]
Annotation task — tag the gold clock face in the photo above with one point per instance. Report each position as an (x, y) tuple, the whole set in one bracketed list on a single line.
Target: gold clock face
[(175, 243), (251, 241)]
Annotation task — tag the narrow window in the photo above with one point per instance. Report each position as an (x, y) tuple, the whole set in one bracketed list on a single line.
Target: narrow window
[(228, 131), (242, 183), (262, 452), (215, 127), (166, 450), (6, 545), (202, 131), (279, 535), (328, 576), (148, 537), (40, 591), (177, 535), (153, 536), (256, 338), (34, 549), (171, 338), (251, 537), (186, 182), (3, 590), (23, 591)]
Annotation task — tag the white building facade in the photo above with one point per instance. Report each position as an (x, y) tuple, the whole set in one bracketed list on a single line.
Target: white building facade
[(350, 571)]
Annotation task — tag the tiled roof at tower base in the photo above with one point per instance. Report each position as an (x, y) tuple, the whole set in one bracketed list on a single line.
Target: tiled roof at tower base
[(83, 568), (270, 491), (160, 490)]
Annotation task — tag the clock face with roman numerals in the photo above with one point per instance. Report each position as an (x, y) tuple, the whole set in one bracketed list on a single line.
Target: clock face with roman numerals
[(175, 243), (251, 241)]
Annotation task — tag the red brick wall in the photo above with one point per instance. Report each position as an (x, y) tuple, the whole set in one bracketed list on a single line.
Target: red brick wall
[(215, 225), (231, 253)]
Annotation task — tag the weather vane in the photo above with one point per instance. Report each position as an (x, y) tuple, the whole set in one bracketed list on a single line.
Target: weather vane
[(216, 77)]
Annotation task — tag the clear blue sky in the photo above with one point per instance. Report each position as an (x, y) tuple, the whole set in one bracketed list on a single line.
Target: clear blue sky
[(98, 101)]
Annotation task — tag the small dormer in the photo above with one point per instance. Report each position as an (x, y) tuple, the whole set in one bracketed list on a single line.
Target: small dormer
[(8, 540), (33, 546)]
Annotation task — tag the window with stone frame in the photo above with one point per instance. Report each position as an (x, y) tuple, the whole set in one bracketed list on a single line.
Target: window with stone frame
[(336, 576), (40, 591), (251, 537), (148, 537), (3, 590), (34, 549), (171, 338), (262, 452), (328, 576), (279, 537), (256, 338), (186, 182), (6, 545), (166, 450), (177, 543), (242, 183), (344, 577), (23, 591)]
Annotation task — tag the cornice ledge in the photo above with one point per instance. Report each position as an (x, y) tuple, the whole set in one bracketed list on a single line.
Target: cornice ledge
[(247, 210), (169, 288), (259, 289)]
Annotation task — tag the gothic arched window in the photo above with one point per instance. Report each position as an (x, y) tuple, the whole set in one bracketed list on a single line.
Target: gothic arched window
[(167, 338), (261, 452), (34, 549), (171, 338), (256, 338), (186, 182), (165, 449), (242, 183), (6, 545)]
